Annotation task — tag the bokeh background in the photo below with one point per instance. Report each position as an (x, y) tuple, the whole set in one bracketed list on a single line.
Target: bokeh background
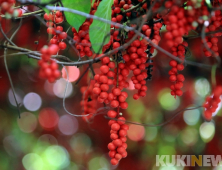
[(47, 138)]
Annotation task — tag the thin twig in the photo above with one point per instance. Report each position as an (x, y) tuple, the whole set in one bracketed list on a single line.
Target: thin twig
[(26, 14), (10, 80), (151, 125), (15, 32)]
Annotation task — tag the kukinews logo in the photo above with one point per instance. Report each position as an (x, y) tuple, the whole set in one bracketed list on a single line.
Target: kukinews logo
[(188, 160)]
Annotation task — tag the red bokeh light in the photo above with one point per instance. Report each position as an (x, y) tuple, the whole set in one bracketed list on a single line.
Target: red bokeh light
[(48, 118)]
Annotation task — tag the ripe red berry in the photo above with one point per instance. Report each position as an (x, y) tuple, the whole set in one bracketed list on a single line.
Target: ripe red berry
[(62, 46), (124, 105), (173, 78), (180, 77), (103, 79), (116, 45), (114, 103), (115, 126), (112, 154), (112, 114), (122, 133), (121, 150), (114, 161), (173, 63), (63, 35), (121, 120), (116, 91), (113, 136), (117, 142), (111, 146), (104, 69), (96, 90)]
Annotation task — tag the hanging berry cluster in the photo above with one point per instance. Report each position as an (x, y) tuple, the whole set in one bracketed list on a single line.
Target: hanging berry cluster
[(48, 67), (175, 77), (57, 31), (212, 102), (135, 60), (81, 39), (118, 134)]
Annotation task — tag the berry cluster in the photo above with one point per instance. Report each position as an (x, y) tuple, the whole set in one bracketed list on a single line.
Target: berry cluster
[(6, 7), (212, 44), (176, 25), (55, 17), (49, 68), (57, 31), (116, 98), (81, 39), (118, 134), (135, 59), (211, 102), (176, 78), (116, 11), (152, 32), (88, 102)]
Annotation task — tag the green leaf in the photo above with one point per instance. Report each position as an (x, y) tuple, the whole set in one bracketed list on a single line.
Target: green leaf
[(73, 19), (99, 31), (93, 1)]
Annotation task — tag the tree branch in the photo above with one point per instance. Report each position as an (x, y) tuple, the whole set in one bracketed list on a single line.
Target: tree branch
[(26, 14)]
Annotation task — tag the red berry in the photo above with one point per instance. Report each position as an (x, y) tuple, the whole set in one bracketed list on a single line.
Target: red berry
[(116, 91), (124, 105), (112, 154), (115, 126), (173, 78), (104, 69), (121, 150), (116, 45), (112, 114), (180, 77), (122, 133), (62, 46), (114, 161), (117, 142), (63, 35), (111, 146), (114, 103), (118, 156), (121, 120), (96, 90), (113, 136)]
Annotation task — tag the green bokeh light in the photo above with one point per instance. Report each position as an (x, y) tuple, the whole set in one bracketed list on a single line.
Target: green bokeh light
[(202, 87), (32, 161), (191, 117), (151, 133), (80, 143), (207, 131), (136, 109), (56, 156), (167, 101), (166, 150), (193, 136), (98, 163)]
